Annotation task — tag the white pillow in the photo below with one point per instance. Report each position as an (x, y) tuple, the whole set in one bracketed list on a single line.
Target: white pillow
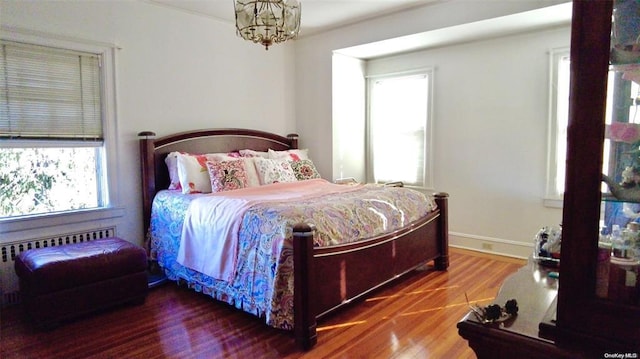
[(293, 155), (273, 171), (172, 166), (193, 173), (253, 180)]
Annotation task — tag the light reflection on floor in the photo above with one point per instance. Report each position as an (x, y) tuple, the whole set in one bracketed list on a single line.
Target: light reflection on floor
[(410, 293), (340, 325), (404, 314)]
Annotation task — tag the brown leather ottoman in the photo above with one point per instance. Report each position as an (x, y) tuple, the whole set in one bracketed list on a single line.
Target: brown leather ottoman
[(64, 282)]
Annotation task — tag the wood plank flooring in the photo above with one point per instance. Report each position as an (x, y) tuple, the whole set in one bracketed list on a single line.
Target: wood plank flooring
[(412, 318)]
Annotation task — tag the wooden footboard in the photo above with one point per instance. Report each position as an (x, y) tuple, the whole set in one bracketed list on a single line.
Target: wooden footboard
[(347, 270)]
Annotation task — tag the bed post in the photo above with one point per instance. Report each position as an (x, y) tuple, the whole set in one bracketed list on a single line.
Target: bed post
[(147, 164), (442, 200), (293, 137), (304, 311)]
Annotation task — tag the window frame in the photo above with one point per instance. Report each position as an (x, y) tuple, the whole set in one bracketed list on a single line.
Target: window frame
[(553, 198), (111, 206), (428, 72)]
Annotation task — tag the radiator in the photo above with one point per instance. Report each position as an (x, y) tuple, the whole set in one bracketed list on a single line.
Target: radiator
[(9, 287)]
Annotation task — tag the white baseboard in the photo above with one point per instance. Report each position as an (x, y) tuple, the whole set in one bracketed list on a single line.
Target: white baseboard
[(491, 245)]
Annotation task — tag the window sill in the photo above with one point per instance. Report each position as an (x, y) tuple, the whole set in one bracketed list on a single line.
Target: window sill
[(552, 202), (49, 220)]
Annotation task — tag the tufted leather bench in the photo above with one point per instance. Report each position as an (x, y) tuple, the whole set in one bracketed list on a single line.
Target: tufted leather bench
[(64, 282)]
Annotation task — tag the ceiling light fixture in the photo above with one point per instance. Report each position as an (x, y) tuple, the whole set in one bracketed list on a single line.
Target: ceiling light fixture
[(267, 21)]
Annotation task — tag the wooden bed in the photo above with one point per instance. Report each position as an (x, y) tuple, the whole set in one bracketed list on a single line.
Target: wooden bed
[(393, 254)]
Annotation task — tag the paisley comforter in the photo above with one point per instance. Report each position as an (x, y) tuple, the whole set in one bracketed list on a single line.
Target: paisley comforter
[(263, 282)]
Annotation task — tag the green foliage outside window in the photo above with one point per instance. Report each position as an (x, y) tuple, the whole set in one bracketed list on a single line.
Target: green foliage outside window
[(46, 180)]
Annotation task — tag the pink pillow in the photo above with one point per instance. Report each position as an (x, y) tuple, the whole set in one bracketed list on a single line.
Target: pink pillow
[(227, 175)]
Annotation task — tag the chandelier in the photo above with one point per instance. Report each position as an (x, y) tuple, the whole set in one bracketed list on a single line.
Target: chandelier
[(267, 21)]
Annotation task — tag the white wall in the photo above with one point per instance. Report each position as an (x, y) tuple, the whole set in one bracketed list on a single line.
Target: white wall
[(348, 118), (490, 131), (490, 126), (175, 72), (313, 58)]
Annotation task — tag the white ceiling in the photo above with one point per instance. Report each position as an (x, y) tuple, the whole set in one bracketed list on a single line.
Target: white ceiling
[(324, 15), (546, 17), (317, 15)]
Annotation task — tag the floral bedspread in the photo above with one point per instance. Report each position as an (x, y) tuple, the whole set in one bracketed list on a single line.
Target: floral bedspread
[(263, 284)]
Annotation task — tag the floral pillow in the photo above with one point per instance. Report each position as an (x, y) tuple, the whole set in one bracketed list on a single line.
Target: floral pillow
[(227, 175), (293, 155), (273, 171), (192, 171), (193, 174), (304, 170)]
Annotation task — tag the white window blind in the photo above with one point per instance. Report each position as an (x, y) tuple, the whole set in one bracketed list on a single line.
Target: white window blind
[(49, 93)]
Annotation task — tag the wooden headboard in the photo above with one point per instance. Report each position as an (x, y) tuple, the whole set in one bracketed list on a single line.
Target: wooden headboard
[(155, 175)]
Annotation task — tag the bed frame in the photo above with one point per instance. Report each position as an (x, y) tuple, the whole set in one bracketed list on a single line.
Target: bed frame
[(347, 273)]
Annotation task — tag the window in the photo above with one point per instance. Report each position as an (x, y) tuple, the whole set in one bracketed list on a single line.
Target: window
[(627, 94), (399, 128), (53, 145), (558, 119)]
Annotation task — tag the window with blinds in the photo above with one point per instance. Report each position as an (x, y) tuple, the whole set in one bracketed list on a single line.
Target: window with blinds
[(399, 128), (52, 155), (49, 93)]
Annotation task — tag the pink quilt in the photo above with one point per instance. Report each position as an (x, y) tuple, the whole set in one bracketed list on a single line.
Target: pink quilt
[(210, 231)]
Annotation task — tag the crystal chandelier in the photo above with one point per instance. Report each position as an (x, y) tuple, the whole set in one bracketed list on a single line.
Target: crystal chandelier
[(267, 21)]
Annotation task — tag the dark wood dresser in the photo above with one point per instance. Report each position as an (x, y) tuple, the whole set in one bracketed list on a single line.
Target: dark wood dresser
[(519, 336)]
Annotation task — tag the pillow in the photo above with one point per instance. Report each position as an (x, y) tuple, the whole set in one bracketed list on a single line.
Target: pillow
[(252, 153), (223, 156), (253, 180), (294, 155), (227, 175), (193, 174), (172, 166), (273, 171), (304, 170)]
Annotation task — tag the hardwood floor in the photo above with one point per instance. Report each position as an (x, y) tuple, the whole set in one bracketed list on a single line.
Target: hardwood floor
[(413, 318)]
